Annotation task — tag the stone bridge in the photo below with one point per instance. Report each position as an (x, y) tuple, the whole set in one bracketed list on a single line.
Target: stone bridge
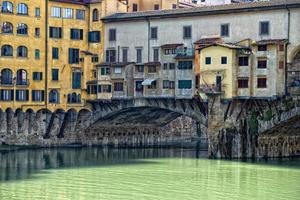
[(233, 128)]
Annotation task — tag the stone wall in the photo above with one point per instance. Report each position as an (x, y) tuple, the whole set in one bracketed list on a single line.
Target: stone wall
[(236, 129)]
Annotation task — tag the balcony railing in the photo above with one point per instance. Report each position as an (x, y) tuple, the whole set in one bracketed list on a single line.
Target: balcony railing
[(212, 89), (185, 53), (22, 82), (7, 82)]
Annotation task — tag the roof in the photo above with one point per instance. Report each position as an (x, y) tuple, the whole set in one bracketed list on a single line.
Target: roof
[(210, 40), (205, 10), (81, 2), (271, 41), (87, 53), (106, 64), (171, 46), (153, 63), (226, 45)]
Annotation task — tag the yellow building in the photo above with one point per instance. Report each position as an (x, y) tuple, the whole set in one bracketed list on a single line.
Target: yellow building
[(49, 50), (218, 69)]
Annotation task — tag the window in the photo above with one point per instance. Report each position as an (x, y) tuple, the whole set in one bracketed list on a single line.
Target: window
[(112, 34), (37, 95), (171, 84), (55, 74), (165, 84), (134, 7), (22, 29), (281, 64), (22, 9), (261, 82), (262, 64), (281, 47), (73, 56), (53, 96), (7, 27), (174, 6), (187, 32), (95, 15), (76, 34), (139, 68), (22, 51), (37, 76), (170, 51), (76, 80), (55, 53), (153, 85), (74, 98), (262, 47), (156, 6), (155, 55), (243, 83), (92, 89), (55, 32), (56, 12), (184, 84), (22, 95), (105, 71), (21, 78), (139, 55), (6, 77), (264, 28), (104, 88), (37, 54), (6, 95), (118, 87), (94, 36), (185, 64), (165, 67), (125, 55), (171, 65), (208, 60), (95, 59), (111, 55), (243, 61), (80, 14), (118, 70), (223, 60), (68, 13), (37, 12), (151, 69), (37, 32), (7, 7), (6, 50), (224, 30), (153, 33)]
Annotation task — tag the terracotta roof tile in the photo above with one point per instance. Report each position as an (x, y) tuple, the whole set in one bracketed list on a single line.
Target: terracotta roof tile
[(170, 46)]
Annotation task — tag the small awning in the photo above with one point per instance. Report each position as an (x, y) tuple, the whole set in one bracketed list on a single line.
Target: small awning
[(148, 81)]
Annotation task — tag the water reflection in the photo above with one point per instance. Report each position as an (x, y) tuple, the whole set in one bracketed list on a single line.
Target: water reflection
[(15, 165)]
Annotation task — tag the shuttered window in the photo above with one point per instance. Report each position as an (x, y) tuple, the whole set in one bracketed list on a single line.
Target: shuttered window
[(22, 95), (76, 80), (73, 56)]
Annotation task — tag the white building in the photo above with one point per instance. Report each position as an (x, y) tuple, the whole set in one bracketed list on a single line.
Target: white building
[(144, 33)]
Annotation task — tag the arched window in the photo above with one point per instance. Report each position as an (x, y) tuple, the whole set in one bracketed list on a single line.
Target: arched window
[(7, 27), (54, 96), (7, 7), (22, 77), (78, 100), (22, 9), (22, 29), (69, 98), (6, 77), (95, 15), (22, 51), (74, 97), (6, 50)]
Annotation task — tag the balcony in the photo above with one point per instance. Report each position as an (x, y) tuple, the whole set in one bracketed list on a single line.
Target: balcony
[(185, 53), (22, 82), (7, 82), (212, 89)]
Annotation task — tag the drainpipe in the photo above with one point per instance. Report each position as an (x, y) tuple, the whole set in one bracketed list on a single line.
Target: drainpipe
[(148, 21), (286, 46), (46, 54)]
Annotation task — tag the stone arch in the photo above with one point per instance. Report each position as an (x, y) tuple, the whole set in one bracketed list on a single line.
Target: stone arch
[(292, 54), (84, 119), (294, 72)]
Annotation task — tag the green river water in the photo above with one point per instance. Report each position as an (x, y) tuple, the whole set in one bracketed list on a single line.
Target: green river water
[(138, 174)]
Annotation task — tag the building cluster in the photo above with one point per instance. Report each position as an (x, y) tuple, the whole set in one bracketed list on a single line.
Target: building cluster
[(60, 54)]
